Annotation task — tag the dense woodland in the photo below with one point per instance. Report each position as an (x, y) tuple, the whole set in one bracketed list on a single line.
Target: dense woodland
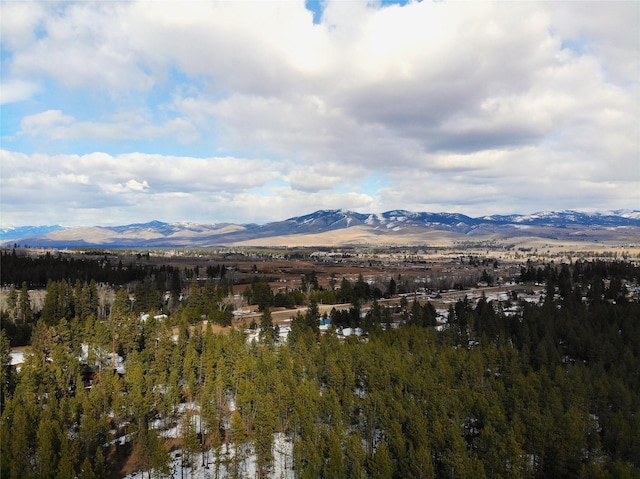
[(551, 390)]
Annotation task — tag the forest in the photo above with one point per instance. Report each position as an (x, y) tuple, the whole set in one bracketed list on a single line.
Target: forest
[(501, 390)]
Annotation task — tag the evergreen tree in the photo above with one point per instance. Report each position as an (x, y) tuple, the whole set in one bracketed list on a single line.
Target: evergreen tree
[(12, 303), (7, 377), (24, 305), (381, 465), (150, 452), (264, 426), (239, 436), (312, 318), (66, 466), (267, 330), (50, 309), (334, 467), (355, 458), (47, 444)]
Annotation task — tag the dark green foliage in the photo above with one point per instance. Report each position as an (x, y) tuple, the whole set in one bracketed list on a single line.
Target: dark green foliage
[(7, 373), (38, 271), (552, 391), (289, 300), (259, 292), (206, 302), (267, 329)]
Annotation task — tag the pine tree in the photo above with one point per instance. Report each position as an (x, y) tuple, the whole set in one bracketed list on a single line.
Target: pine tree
[(355, 458), (263, 429), (66, 467), (100, 465), (50, 308), (334, 467), (150, 452), (267, 331), (47, 443), (239, 437), (190, 370), (19, 440), (24, 305), (12, 303), (138, 398), (380, 465), (307, 458), (7, 377), (86, 470), (190, 441), (312, 317)]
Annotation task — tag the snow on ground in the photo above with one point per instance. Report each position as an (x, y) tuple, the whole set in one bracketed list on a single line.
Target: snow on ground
[(282, 452), (17, 356), (282, 464)]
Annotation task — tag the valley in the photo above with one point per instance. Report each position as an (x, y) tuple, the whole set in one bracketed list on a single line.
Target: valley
[(484, 358)]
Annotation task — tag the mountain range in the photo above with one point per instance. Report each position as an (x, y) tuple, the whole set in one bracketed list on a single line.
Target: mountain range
[(339, 227)]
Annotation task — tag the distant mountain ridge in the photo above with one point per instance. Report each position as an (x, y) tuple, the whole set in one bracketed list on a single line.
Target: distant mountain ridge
[(10, 232), (390, 227)]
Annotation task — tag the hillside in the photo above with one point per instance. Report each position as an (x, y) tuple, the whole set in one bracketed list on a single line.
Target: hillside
[(340, 227)]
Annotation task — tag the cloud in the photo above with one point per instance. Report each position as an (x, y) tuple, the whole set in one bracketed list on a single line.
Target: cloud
[(21, 31), (132, 186), (15, 90), (45, 122), (55, 125), (69, 186), (77, 45), (323, 176), (605, 31), (483, 107)]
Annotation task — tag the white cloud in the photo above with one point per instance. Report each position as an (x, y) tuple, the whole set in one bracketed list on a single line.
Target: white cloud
[(284, 203), (67, 186), (78, 44), (14, 90), (43, 123), (21, 21), (605, 30), (323, 176), (73, 178), (476, 106), (131, 186), (56, 125)]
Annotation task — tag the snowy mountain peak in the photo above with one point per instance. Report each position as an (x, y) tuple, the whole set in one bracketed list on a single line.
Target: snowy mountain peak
[(395, 222)]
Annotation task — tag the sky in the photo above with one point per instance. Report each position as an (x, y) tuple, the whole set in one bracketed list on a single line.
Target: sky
[(117, 112)]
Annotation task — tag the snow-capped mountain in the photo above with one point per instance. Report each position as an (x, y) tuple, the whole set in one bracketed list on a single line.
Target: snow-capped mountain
[(9, 233), (388, 227)]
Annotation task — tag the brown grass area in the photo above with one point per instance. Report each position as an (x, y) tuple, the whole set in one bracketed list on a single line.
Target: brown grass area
[(121, 460), (124, 461), (355, 236), (572, 240)]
